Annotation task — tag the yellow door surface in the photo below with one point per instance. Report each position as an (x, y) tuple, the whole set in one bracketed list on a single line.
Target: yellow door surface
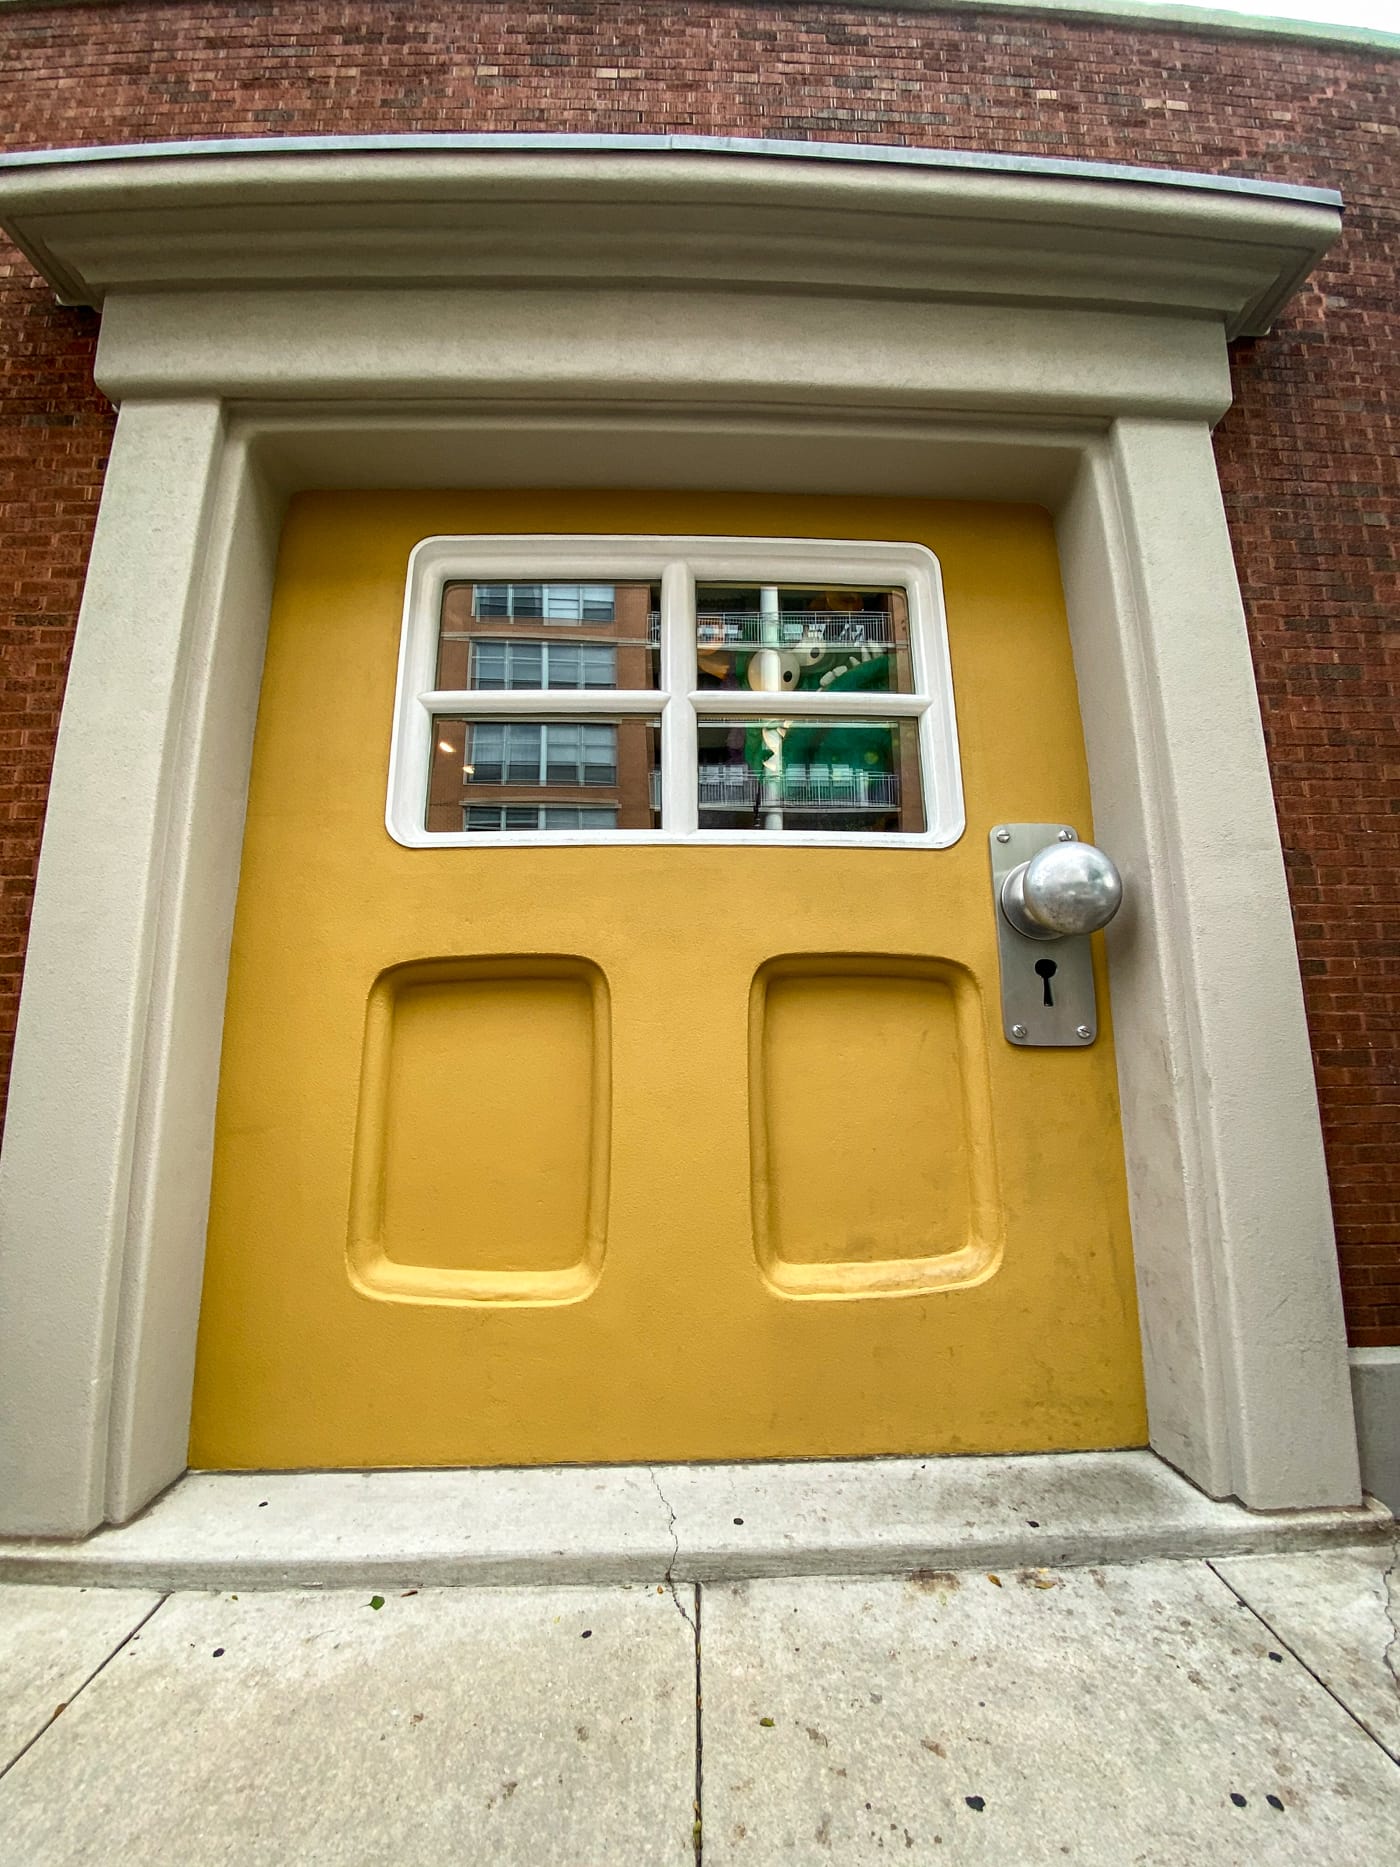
[(651, 1151)]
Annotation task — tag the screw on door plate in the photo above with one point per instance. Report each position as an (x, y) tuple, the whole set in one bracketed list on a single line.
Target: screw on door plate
[(1047, 982)]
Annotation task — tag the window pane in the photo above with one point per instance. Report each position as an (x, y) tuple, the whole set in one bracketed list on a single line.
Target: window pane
[(563, 665), (579, 602), (493, 599), (493, 636), (576, 817), (488, 751), (524, 663), (496, 665), (794, 638), (544, 774), (597, 666), (490, 661), (855, 776)]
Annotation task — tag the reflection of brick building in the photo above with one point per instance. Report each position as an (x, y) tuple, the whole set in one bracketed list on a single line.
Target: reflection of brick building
[(555, 774)]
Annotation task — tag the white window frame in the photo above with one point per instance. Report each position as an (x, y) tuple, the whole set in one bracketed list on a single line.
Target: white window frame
[(677, 564)]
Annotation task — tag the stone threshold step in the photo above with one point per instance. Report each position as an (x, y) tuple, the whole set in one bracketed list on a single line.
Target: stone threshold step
[(561, 1524)]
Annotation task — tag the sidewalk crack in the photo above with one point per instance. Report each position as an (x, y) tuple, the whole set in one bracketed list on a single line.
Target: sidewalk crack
[(1391, 1655), (669, 1576), (692, 1621)]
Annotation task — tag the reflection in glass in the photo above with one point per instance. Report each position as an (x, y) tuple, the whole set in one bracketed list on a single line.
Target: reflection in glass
[(507, 775), (539, 817), (854, 776), (497, 636), (550, 602), (801, 639)]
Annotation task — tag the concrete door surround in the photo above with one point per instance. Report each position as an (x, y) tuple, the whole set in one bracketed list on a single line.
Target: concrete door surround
[(564, 312)]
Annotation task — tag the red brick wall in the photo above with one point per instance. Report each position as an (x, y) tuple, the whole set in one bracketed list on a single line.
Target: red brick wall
[(1307, 456)]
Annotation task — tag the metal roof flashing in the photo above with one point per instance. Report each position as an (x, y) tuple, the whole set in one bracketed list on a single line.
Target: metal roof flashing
[(893, 154)]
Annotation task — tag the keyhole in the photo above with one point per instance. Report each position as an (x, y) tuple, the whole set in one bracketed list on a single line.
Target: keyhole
[(1046, 968)]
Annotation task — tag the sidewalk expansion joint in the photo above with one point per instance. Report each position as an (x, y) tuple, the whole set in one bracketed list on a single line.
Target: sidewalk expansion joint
[(1311, 1671), (102, 1665), (699, 1830)]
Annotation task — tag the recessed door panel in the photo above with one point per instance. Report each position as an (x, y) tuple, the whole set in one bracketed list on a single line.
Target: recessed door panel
[(481, 1140), (846, 1203)]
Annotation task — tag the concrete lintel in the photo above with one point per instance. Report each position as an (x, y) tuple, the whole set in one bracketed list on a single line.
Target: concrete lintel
[(574, 343)]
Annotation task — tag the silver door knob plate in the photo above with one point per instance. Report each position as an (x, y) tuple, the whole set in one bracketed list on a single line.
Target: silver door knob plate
[(1065, 889)]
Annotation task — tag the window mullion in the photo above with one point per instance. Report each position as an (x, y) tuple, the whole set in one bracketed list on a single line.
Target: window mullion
[(680, 810), (539, 703), (721, 703)]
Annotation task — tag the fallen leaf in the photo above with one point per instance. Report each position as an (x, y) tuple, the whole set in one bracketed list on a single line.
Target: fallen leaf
[(767, 1722), (376, 1601), (995, 1580)]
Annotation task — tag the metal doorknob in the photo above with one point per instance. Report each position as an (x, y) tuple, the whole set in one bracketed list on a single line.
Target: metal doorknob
[(1065, 888)]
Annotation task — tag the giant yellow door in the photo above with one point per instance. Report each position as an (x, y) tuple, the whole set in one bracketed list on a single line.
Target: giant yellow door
[(634, 1149)]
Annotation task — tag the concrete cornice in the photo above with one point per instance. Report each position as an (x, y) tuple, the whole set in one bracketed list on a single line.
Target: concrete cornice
[(681, 213)]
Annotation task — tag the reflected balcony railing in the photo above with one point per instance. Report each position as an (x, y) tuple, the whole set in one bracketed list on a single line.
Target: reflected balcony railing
[(806, 787), (750, 629)]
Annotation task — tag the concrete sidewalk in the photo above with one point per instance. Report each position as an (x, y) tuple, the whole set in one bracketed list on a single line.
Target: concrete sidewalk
[(1186, 1713)]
